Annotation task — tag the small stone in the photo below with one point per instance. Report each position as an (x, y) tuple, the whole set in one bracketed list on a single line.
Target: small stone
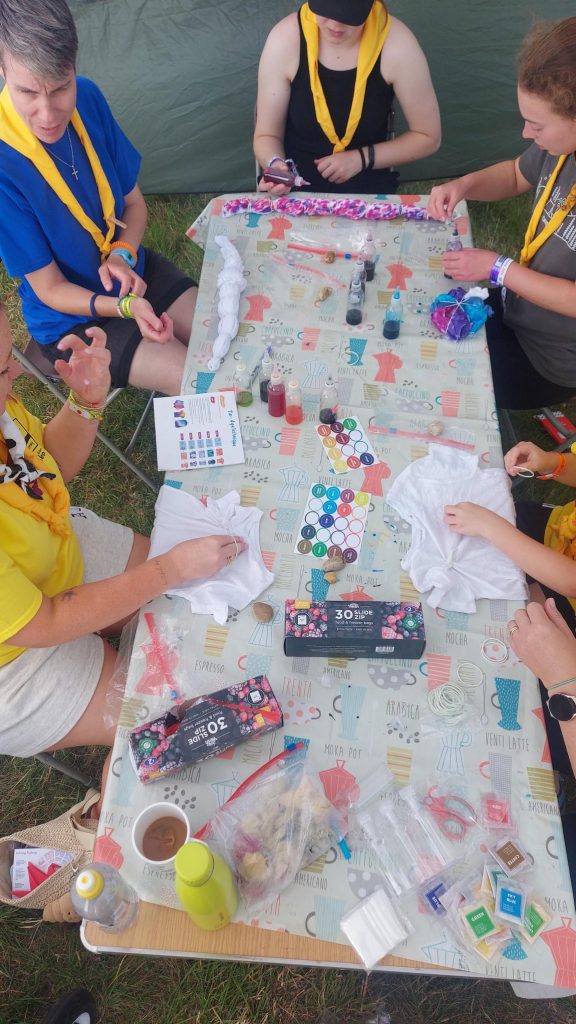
[(329, 257), (333, 564), (263, 612), (323, 294), (330, 577), (435, 428)]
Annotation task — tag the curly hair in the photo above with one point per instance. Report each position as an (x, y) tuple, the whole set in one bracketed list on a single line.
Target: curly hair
[(547, 65)]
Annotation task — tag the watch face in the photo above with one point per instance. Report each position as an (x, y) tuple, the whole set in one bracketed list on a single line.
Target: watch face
[(562, 707)]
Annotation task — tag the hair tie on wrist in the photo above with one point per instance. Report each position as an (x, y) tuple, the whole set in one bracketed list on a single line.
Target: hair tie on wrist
[(362, 157), (371, 157), (93, 312)]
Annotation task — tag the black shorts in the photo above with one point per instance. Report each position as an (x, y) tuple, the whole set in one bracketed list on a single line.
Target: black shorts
[(517, 385), (165, 284)]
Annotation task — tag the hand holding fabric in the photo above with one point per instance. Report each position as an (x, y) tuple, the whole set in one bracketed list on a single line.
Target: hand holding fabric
[(470, 519)]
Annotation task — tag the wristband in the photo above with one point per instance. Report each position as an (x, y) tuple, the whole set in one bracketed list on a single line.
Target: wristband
[(371, 158), (125, 245), (93, 312), (559, 469), (362, 157), (276, 159), (86, 412), (124, 306), (126, 256), (565, 682), (498, 270)]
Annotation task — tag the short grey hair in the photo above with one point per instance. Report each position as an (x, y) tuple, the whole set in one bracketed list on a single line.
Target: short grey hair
[(40, 34)]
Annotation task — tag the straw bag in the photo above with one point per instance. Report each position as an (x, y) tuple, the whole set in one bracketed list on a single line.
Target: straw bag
[(67, 832)]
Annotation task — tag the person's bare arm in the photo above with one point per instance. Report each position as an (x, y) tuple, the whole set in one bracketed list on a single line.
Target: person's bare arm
[(500, 181), (547, 566), (94, 606), (278, 65), (557, 294), (405, 67), (115, 268)]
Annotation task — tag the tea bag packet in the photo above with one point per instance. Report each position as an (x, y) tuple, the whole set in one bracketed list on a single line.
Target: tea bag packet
[(511, 856), (511, 901), (536, 919), (478, 920), (496, 813)]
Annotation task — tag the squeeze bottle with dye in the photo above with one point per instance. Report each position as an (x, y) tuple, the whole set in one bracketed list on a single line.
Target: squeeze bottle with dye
[(360, 272), (294, 411), (329, 401), (266, 367), (393, 317), (276, 394), (454, 244), (355, 302), (242, 386), (100, 894), (205, 886), (368, 254)]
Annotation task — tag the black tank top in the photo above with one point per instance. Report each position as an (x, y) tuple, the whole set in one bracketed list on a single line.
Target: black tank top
[(304, 139)]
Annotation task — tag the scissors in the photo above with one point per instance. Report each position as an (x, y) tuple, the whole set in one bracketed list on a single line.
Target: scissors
[(454, 816)]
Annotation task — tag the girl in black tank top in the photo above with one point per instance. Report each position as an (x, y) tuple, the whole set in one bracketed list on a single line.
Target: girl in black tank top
[(304, 140)]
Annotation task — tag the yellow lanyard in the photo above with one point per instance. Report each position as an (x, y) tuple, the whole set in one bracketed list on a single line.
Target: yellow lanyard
[(17, 134), (532, 241), (374, 34)]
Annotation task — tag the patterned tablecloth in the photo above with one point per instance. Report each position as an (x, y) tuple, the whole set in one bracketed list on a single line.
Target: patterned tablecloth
[(372, 710)]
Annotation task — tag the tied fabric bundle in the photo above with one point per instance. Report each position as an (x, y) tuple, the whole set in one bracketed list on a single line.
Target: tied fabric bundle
[(318, 206), (458, 313)]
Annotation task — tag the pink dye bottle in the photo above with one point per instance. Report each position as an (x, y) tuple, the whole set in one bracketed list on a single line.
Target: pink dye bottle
[(276, 394)]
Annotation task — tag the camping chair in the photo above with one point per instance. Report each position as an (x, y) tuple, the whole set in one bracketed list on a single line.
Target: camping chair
[(35, 362), (65, 769)]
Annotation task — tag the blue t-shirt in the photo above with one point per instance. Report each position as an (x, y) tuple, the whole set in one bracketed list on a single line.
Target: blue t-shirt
[(36, 227)]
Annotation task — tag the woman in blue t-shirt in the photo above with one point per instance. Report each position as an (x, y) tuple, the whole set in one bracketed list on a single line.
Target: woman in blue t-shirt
[(72, 216)]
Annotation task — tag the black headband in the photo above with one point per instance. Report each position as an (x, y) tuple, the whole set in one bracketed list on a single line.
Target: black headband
[(347, 12)]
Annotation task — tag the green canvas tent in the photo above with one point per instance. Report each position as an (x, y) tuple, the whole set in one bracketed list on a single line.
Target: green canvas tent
[(180, 76)]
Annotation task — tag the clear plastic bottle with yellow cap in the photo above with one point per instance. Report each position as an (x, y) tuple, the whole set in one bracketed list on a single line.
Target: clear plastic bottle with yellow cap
[(205, 886), (100, 894)]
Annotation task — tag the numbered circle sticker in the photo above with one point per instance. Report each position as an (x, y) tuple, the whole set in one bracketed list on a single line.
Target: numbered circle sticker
[(318, 490), (319, 550), (304, 547), (362, 498), (349, 424)]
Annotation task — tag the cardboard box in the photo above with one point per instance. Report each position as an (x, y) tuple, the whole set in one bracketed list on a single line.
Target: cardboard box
[(202, 727), (354, 629)]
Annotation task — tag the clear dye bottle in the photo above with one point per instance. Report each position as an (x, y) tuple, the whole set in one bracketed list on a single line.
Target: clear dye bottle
[(276, 394), (355, 302), (360, 272), (294, 410), (242, 387), (266, 367), (368, 255), (100, 894), (329, 401), (393, 317), (454, 244)]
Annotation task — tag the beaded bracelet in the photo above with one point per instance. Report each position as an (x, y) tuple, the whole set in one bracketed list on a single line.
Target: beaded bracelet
[(559, 469), (124, 306), (86, 412), (498, 270)]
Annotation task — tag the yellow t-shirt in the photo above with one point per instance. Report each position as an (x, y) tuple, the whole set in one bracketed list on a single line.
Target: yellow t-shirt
[(560, 533), (33, 559)]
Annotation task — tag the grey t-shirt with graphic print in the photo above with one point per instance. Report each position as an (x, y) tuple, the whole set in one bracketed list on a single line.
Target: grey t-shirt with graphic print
[(548, 339)]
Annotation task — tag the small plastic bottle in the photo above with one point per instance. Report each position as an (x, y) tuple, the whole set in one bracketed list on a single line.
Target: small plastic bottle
[(205, 886), (276, 394), (454, 244), (100, 894), (294, 410), (355, 302), (242, 388), (266, 367), (360, 272), (393, 317), (329, 401), (368, 254)]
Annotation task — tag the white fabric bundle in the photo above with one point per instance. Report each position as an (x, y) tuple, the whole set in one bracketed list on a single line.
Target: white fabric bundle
[(456, 570), (231, 284)]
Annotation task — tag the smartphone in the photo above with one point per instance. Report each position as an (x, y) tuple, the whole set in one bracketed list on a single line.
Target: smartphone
[(278, 176)]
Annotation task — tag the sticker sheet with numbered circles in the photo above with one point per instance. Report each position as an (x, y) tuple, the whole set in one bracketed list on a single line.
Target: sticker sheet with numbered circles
[(333, 523)]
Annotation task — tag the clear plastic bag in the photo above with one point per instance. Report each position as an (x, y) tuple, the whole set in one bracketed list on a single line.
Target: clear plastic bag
[(277, 822)]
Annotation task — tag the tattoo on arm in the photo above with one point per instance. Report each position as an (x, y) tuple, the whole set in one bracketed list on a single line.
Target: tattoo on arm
[(162, 573), (67, 595)]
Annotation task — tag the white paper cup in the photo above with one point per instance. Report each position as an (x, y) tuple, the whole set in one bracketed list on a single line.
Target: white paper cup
[(147, 817)]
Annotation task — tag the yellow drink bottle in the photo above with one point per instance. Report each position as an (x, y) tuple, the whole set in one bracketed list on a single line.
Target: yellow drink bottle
[(205, 886)]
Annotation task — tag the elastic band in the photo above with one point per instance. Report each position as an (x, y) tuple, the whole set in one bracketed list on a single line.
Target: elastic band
[(469, 675), (371, 157), (565, 682), (498, 645), (362, 157), (559, 469), (93, 312), (276, 159)]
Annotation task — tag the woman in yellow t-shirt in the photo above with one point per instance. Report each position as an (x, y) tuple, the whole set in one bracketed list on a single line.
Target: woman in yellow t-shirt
[(67, 575)]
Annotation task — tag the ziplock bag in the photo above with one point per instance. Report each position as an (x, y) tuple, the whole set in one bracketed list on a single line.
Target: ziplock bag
[(278, 821)]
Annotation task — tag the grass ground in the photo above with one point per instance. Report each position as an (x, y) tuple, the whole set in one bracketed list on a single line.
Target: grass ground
[(39, 962)]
